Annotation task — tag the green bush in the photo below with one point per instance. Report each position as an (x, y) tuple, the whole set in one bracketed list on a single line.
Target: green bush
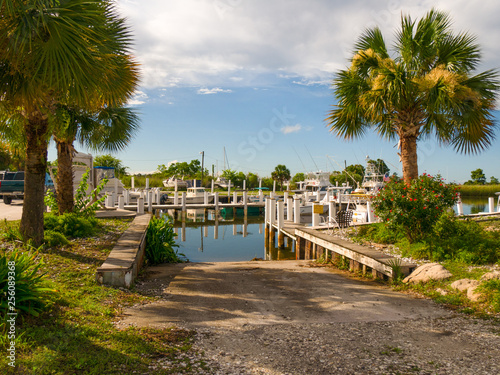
[(379, 233), (52, 238), (414, 207), (22, 285), (160, 242), (71, 225), (462, 240)]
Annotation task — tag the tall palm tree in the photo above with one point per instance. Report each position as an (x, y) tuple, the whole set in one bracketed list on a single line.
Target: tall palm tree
[(110, 129), (281, 173), (426, 89), (52, 53)]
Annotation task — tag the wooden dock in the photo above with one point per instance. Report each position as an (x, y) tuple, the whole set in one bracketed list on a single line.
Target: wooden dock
[(315, 242)]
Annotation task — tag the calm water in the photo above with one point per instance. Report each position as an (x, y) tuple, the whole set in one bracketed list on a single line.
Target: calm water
[(474, 205), (227, 239), (233, 239)]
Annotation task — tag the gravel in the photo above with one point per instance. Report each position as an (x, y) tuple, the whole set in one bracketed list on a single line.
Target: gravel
[(454, 345)]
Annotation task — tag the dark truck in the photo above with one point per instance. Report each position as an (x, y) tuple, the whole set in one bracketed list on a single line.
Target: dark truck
[(12, 186)]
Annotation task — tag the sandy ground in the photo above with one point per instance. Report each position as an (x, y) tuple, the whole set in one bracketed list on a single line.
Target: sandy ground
[(11, 211), (242, 293), (289, 317)]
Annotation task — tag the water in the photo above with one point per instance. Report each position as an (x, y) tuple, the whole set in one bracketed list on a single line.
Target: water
[(231, 240), (474, 205)]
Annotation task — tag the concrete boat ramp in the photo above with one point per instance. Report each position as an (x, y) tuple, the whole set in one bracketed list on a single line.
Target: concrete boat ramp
[(235, 294)]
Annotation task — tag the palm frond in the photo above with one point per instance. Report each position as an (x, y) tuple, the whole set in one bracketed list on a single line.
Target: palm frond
[(374, 40)]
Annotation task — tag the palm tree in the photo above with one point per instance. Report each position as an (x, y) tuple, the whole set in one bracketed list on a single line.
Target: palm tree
[(425, 90), (110, 129), (54, 53), (281, 173)]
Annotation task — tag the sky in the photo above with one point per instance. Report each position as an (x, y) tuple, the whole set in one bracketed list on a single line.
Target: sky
[(253, 78)]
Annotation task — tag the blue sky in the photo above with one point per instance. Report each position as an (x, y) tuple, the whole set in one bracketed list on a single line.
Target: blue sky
[(253, 77)]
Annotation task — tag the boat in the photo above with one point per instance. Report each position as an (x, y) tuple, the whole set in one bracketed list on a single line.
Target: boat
[(222, 183), (197, 195), (171, 183)]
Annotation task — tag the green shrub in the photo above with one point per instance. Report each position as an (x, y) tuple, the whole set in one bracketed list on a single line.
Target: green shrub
[(52, 238), (379, 233), (463, 240), (22, 286), (491, 291), (160, 242), (414, 207), (71, 225)]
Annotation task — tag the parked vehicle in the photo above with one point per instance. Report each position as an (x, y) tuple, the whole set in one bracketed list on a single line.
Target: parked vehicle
[(12, 185)]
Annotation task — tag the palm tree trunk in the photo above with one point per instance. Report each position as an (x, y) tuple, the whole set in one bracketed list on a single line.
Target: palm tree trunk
[(409, 157), (31, 226), (65, 199)]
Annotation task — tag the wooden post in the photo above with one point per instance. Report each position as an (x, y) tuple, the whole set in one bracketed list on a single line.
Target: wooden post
[(281, 219), (205, 197), (176, 198), (261, 196), (183, 202), (150, 202), (140, 205), (216, 203), (371, 213), (332, 211), (491, 205), (126, 195), (267, 219), (213, 186), (315, 216), (147, 183), (121, 202), (245, 204), (296, 210), (235, 197), (289, 209), (229, 189), (132, 183)]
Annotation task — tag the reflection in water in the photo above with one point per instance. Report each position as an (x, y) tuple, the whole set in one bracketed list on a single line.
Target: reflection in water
[(206, 237)]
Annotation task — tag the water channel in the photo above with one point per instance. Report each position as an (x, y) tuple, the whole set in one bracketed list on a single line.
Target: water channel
[(231, 239)]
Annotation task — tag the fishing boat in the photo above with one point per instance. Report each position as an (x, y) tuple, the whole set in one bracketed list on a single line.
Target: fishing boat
[(175, 182), (197, 195)]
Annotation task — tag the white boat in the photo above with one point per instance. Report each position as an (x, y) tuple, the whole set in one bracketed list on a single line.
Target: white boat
[(197, 195), (222, 183), (171, 182)]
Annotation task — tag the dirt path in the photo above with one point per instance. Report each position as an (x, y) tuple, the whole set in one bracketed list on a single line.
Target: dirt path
[(287, 317)]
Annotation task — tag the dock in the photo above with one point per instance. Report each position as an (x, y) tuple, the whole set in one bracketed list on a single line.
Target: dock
[(318, 241)]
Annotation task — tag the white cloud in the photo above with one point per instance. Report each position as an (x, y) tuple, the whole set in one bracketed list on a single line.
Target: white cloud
[(138, 98), (227, 42), (291, 129), (215, 90)]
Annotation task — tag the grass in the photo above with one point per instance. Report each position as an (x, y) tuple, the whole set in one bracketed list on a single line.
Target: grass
[(441, 291), (77, 335), (479, 190)]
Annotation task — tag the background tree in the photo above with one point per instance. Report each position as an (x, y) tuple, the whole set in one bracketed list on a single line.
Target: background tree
[(494, 180), (426, 89), (56, 53), (353, 174), (108, 129), (281, 174), (252, 180), (112, 162), (477, 177), (183, 170), (380, 166)]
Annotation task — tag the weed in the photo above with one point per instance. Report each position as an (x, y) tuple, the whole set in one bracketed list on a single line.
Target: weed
[(160, 242)]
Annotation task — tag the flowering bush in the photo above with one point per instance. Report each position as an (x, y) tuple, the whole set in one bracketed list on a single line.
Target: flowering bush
[(414, 207)]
